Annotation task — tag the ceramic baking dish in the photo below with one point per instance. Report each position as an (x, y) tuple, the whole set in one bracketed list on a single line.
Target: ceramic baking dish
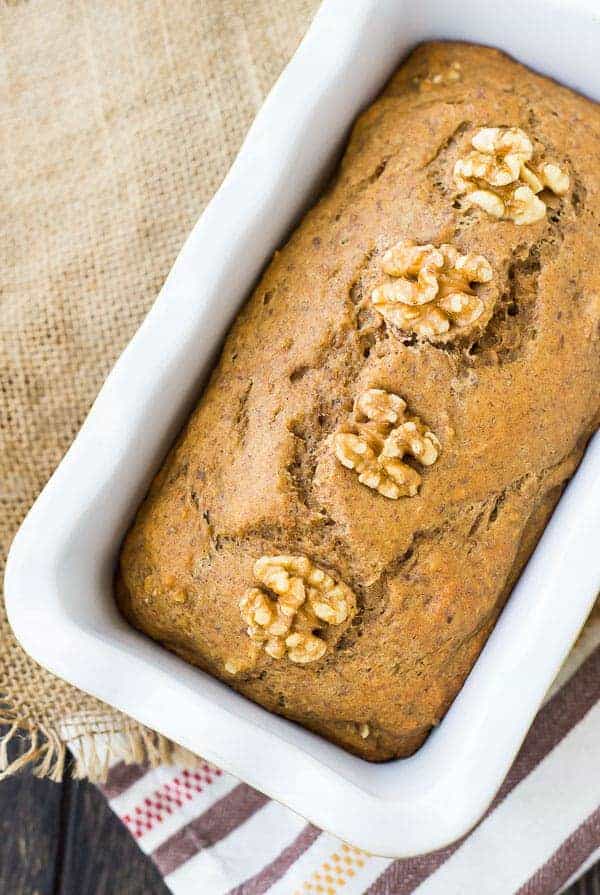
[(60, 569)]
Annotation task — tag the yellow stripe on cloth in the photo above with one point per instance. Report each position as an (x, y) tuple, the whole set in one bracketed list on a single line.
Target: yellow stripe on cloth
[(335, 872)]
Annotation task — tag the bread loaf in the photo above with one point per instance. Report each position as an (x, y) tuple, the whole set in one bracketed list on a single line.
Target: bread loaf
[(394, 414)]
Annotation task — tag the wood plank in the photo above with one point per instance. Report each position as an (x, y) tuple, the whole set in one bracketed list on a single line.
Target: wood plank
[(29, 833), (63, 839), (588, 884), (98, 855)]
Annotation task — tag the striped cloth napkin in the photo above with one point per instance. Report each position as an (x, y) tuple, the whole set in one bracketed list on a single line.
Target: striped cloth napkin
[(209, 833)]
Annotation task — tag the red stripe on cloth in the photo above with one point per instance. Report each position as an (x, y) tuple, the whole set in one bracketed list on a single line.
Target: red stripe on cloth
[(170, 797), (553, 722), (214, 824), (566, 859), (120, 777), (273, 872)]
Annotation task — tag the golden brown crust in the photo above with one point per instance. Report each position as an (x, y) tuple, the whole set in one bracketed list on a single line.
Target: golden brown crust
[(512, 400)]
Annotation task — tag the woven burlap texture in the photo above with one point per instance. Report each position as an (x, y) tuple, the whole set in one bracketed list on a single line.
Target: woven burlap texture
[(119, 121)]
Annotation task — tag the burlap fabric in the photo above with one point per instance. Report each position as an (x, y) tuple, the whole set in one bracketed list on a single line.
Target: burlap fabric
[(119, 120)]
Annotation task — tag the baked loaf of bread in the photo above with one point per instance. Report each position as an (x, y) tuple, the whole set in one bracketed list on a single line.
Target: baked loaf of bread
[(394, 414)]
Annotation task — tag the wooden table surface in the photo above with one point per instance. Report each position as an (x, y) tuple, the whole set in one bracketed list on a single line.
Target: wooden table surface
[(63, 839)]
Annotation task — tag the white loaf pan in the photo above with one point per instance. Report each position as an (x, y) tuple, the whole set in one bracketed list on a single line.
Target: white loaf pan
[(60, 569)]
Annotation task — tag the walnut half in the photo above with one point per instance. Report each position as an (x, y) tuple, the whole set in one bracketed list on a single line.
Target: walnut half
[(430, 291), (378, 438), (296, 600), (501, 177)]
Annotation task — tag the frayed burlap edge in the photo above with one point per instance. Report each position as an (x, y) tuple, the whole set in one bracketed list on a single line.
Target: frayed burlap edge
[(43, 750), (90, 753)]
